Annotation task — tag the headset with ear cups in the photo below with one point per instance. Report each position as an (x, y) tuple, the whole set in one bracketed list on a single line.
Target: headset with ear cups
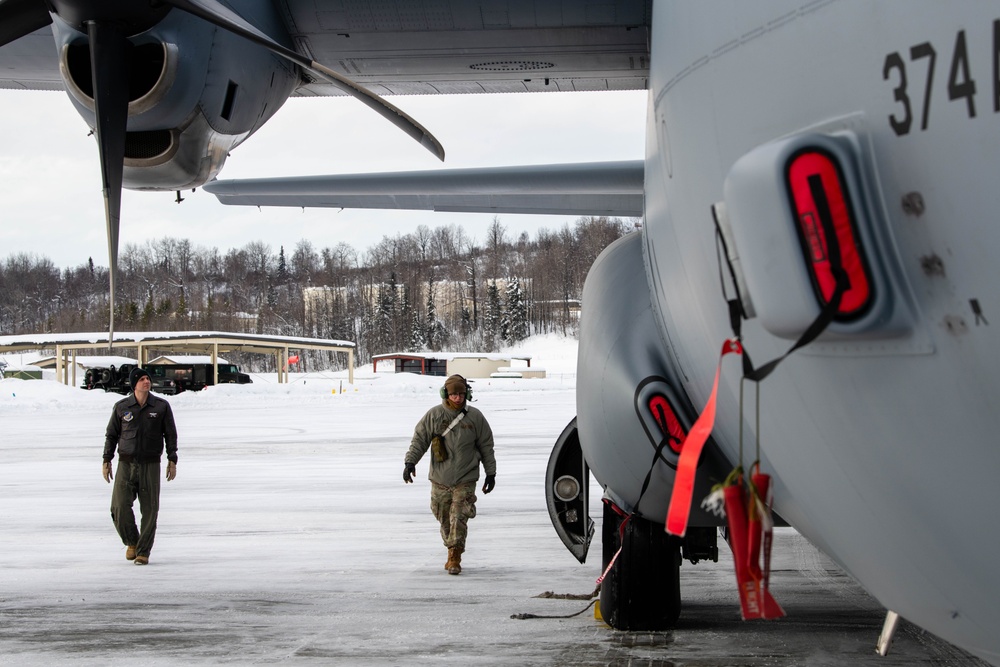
[(468, 390)]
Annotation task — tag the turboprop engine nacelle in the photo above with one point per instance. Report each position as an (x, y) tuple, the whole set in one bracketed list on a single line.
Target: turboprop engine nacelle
[(185, 113)]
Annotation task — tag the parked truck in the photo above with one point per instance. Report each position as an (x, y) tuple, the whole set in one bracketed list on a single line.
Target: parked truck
[(175, 378), (169, 379), (109, 378)]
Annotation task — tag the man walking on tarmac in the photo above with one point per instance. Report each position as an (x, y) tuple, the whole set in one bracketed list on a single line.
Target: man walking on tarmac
[(459, 438), (141, 424)]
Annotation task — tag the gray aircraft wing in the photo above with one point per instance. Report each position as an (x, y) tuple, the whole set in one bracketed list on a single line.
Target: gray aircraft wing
[(30, 63), (597, 188), (473, 46)]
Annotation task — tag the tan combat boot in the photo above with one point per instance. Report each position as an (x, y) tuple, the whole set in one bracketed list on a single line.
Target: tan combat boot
[(454, 564)]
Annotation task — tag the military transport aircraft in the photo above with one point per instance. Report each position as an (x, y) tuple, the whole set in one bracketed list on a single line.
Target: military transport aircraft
[(817, 180)]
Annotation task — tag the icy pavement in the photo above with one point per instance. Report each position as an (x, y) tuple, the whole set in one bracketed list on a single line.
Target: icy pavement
[(289, 537)]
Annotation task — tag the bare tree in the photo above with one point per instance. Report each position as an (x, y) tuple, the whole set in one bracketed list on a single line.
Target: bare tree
[(305, 263), (444, 244), (496, 247), (423, 237)]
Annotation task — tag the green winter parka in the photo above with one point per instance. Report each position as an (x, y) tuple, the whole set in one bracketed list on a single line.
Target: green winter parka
[(469, 443)]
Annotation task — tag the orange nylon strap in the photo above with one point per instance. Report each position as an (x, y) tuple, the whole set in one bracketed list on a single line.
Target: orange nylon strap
[(687, 464)]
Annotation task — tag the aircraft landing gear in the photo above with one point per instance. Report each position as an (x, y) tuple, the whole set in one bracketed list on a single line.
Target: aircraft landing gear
[(642, 591)]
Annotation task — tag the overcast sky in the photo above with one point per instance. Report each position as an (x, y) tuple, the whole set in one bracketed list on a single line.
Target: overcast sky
[(50, 176)]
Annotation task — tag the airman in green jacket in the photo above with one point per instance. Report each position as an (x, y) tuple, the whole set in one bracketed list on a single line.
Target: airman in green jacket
[(460, 439)]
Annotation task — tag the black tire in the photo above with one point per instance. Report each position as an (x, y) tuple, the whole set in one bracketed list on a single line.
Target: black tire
[(105, 375), (88, 379), (642, 591)]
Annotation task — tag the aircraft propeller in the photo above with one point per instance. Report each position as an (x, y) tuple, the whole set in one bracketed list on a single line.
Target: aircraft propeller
[(109, 24), (108, 64)]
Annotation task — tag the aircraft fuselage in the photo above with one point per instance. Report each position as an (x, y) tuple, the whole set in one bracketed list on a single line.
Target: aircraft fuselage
[(880, 434)]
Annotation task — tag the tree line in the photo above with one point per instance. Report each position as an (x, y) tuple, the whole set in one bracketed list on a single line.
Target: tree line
[(429, 290)]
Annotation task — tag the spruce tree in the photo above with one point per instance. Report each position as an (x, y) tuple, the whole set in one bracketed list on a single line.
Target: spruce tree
[(494, 316), (282, 267), (516, 315), (431, 328)]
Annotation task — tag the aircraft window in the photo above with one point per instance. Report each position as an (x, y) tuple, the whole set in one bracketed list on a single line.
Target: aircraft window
[(817, 190)]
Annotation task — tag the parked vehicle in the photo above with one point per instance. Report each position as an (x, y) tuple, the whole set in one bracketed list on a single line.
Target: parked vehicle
[(162, 382), (169, 379), (175, 378), (109, 378)]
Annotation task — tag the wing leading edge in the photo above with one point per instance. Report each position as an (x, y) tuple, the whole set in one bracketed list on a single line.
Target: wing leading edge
[(596, 188)]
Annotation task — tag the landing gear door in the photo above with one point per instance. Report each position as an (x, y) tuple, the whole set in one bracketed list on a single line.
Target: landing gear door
[(567, 493)]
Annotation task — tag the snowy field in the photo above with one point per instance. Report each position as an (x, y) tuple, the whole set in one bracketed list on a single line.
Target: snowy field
[(289, 537), (288, 531)]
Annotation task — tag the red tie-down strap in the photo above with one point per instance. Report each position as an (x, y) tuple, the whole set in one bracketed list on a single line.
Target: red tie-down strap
[(749, 519), (761, 528), (687, 464), (748, 512)]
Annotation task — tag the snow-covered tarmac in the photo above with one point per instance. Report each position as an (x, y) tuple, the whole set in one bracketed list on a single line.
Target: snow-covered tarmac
[(289, 537)]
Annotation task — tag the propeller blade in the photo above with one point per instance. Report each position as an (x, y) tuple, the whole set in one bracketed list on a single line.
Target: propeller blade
[(221, 16), (21, 17), (109, 67)]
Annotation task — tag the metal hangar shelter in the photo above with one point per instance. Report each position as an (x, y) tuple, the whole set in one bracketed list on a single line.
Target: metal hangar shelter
[(204, 342)]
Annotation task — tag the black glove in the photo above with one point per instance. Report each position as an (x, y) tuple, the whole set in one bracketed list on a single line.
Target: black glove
[(491, 481), (408, 472)]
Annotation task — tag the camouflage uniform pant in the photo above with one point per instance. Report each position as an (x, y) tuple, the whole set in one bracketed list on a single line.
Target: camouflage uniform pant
[(453, 506)]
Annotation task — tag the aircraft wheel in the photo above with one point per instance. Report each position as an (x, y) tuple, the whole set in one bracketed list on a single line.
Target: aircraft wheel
[(642, 591)]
